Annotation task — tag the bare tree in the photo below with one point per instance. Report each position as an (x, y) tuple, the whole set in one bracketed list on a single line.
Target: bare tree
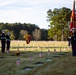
[(36, 34)]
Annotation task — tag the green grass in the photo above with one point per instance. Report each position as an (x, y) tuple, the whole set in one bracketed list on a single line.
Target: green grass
[(62, 63)]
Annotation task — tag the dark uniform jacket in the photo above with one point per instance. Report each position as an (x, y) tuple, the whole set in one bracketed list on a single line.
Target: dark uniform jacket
[(73, 40), (8, 38), (3, 38)]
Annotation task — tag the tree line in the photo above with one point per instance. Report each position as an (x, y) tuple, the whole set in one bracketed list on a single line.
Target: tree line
[(18, 30)]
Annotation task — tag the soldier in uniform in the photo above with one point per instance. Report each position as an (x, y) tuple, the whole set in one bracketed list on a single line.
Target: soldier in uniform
[(3, 41), (73, 42), (8, 42), (69, 41)]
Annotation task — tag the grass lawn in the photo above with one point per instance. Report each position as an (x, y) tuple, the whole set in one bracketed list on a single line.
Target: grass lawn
[(52, 62)]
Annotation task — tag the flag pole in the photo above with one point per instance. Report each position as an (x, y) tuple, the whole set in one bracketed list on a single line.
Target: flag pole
[(74, 13)]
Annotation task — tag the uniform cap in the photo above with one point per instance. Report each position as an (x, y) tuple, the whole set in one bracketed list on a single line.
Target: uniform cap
[(2, 31)]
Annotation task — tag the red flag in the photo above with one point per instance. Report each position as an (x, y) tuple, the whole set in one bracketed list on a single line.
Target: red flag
[(73, 16), (28, 38)]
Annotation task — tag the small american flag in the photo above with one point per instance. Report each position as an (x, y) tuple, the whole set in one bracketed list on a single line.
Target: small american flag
[(55, 50), (31, 58), (40, 54), (18, 62), (48, 52)]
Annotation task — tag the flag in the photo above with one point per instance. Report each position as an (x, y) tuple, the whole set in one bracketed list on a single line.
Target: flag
[(18, 62), (31, 58), (28, 38), (73, 18), (48, 52), (55, 50), (40, 54)]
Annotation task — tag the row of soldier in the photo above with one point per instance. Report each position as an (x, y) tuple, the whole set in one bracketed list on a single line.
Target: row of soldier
[(5, 41)]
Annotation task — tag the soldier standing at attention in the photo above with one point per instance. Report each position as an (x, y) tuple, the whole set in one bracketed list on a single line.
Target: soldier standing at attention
[(73, 42), (8, 42), (3, 41)]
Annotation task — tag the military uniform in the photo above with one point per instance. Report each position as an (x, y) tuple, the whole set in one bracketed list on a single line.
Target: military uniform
[(73, 43), (3, 41), (8, 41)]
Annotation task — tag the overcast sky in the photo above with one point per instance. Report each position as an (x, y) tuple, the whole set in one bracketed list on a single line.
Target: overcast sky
[(30, 11)]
